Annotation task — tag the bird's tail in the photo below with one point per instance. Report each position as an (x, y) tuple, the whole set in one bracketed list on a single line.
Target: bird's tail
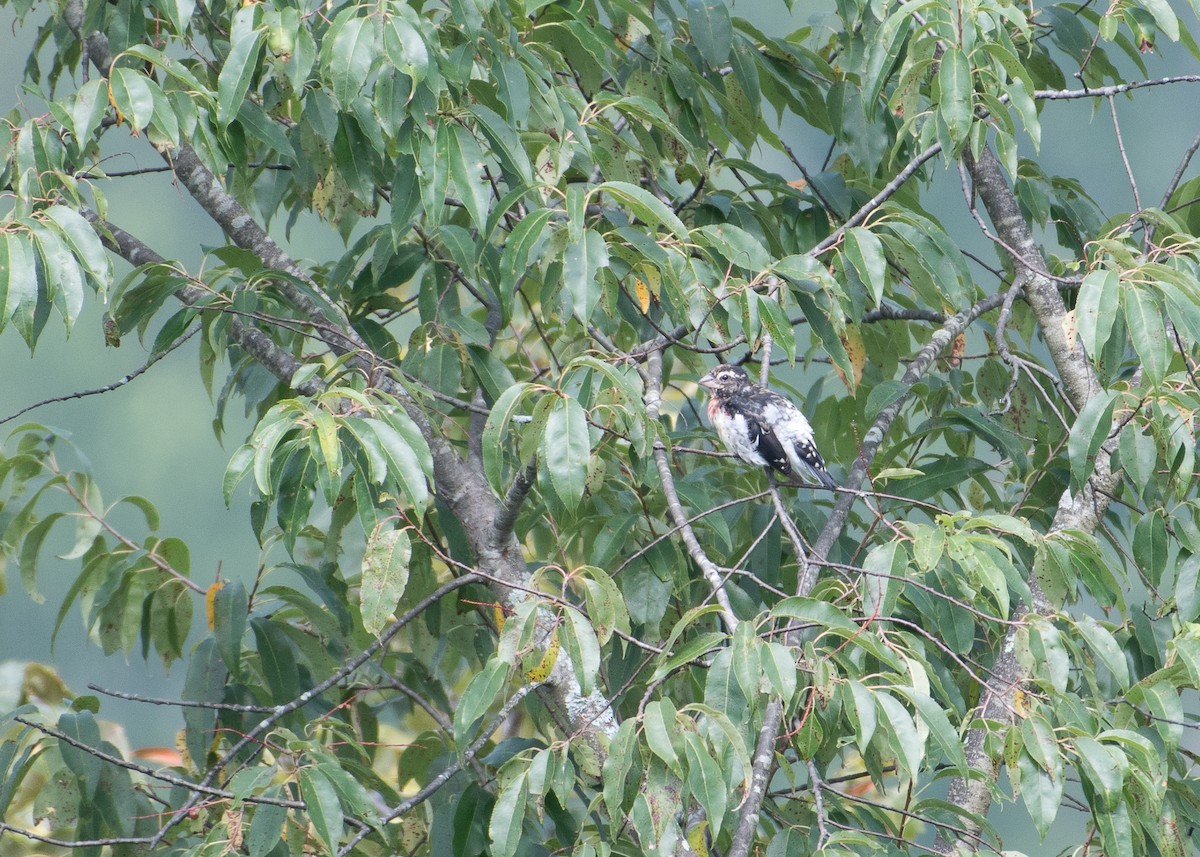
[(822, 475)]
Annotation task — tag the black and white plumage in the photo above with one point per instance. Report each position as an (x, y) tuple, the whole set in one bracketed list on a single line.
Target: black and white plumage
[(761, 427)]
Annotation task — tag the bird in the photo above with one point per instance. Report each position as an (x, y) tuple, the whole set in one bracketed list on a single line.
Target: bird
[(761, 427)]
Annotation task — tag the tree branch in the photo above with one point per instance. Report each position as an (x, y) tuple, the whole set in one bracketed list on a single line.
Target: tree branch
[(652, 375), (1081, 510)]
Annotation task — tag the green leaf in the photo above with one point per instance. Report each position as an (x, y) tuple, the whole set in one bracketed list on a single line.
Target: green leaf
[(477, 698), (617, 765), (266, 827), (514, 261), (467, 170), (230, 607), (508, 816), (1164, 17), (1106, 649), (84, 243), (866, 712), (204, 682), (789, 842), (1041, 792), (956, 102), (64, 276), (131, 95), (1105, 768), (404, 462), (348, 52), (659, 725), (240, 464), (1089, 432), (906, 742), (1164, 704), (277, 659), (324, 808), (778, 665), (18, 283), (1144, 316), (735, 245), (327, 448), (237, 72), (405, 48), (582, 261), (87, 523), (865, 251), (494, 432), (1151, 545), (882, 579), (565, 449), (1187, 595), (712, 31), (646, 206), (81, 727), (28, 557), (944, 734), (705, 780), (1116, 829), (579, 639), (384, 576)]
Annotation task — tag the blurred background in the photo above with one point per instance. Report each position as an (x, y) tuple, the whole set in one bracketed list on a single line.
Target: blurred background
[(154, 436)]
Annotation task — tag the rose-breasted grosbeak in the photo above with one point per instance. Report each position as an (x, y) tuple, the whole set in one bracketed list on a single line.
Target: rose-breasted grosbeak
[(761, 427)]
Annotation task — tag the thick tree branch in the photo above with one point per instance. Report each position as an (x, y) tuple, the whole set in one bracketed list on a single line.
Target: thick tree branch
[(1080, 510), (461, 486)]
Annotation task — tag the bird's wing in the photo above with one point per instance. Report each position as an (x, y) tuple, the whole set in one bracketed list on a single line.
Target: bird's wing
[(761, 410)]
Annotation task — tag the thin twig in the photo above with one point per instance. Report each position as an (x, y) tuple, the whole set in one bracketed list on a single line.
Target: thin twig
[(180, 703), (281, 711), (154, 773), (107, 388), (454, 767), (878, 199), (652, 376), (1115, 89), (1137, 197)]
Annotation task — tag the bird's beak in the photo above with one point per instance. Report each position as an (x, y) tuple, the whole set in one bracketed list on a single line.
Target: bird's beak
[(708, 381)]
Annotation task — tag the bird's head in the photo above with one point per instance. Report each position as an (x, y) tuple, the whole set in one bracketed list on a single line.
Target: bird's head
[(725, 380)]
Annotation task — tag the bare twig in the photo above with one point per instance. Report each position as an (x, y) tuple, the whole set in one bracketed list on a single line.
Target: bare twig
[(280, 711), (179, 703), (107, 388), (1115, 89), (154, 773), (1137, 197), (74, 843), (453, 768), (878, 199)]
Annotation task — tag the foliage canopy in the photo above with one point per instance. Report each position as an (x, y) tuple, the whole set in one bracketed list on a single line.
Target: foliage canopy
[(495, 533)]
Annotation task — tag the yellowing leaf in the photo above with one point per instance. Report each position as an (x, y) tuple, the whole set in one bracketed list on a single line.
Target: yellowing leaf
[(643, 293), (856, 351), (210, 598), (957, 349), (542, 671)]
